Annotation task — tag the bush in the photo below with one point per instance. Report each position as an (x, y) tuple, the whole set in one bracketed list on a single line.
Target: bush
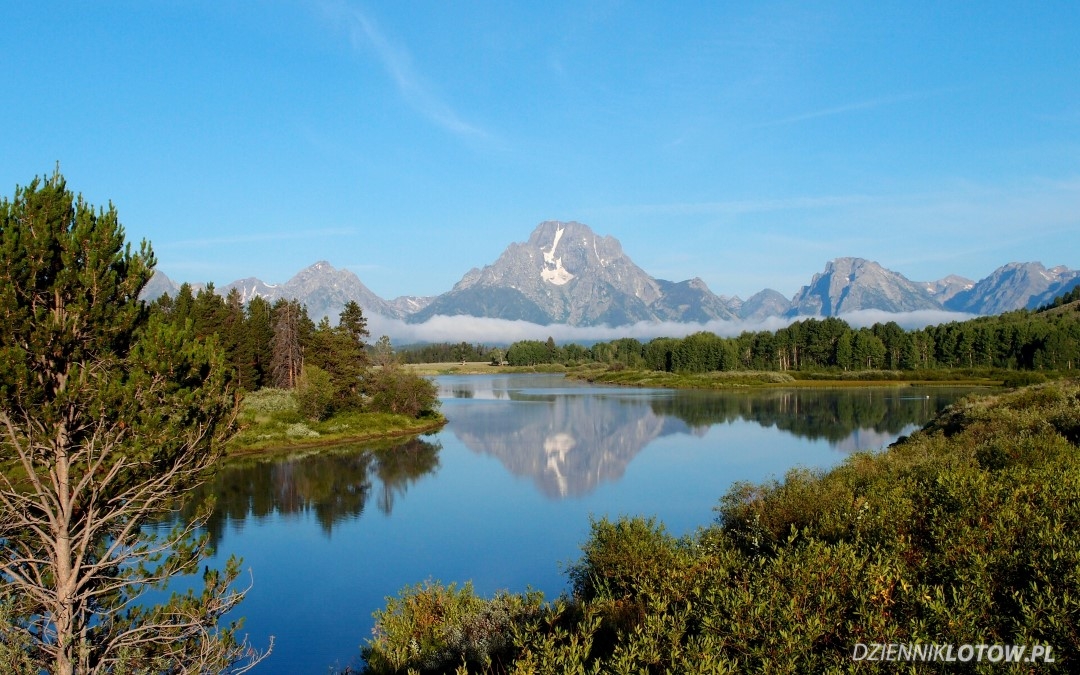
[(622, 557), (400, 392), (314, 393), (432, 628)]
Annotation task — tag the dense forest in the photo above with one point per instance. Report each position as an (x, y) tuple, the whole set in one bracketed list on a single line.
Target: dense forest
[(448, 352), (330, 367), (1045, 339)]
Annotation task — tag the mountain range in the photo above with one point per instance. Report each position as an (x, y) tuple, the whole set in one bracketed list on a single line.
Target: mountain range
[(567, 274)]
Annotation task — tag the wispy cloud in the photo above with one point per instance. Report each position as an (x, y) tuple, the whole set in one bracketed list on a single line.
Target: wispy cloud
[(364, 33), (857, 106)]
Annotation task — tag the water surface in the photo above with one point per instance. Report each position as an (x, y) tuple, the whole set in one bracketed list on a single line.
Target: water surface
[(502, 495)]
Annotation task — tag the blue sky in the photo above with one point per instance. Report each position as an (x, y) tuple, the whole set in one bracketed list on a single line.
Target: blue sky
[(744, 143)]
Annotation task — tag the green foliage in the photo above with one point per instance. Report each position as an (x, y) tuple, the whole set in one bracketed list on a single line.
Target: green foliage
[(314, 393), (341, 352), (271, 419), (444, 352), (110, 414), (1013, 341), (432, 628), (621, 557), (16, 646), (400, 392)]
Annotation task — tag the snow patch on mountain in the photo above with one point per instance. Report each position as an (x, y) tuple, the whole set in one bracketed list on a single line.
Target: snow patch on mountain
[(554, 272)]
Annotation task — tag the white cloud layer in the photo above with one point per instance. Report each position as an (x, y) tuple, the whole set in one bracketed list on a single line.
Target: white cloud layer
[(489, 331)]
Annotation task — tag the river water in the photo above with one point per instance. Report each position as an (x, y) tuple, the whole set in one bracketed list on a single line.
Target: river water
[(502, 495)]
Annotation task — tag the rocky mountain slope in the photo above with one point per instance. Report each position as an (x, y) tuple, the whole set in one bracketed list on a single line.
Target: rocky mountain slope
[(850, 284), (565, 273), (322, 287), (1015, 286)]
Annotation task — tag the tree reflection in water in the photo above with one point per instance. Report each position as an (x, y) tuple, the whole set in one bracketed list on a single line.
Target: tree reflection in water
[(334, 483), (833, 415)]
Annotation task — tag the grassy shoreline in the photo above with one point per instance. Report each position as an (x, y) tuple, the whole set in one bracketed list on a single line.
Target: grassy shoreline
[(480, 368), (629, 377), (760, 379), (270, 422)]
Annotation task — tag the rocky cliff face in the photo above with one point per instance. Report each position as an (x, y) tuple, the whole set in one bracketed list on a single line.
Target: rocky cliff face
[(565, 273), (763, 304), (944, 290), (158, 286), (850, 284)]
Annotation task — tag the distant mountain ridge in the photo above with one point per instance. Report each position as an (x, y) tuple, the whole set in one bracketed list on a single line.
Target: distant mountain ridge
[(566, 274)]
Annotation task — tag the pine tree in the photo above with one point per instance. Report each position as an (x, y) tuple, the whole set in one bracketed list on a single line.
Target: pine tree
[(259, 334), (237, 344), (108, 416), (342, 353)]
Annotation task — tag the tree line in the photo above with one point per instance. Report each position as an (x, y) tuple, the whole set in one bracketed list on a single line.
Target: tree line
[(1021, 340), (448, 352)]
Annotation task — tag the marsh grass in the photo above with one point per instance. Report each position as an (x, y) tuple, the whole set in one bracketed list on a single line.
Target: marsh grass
[(480, 368), (657, 378), (732, 379)]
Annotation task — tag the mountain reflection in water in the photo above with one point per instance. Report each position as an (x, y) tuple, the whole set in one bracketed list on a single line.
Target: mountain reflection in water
[(571, 439)]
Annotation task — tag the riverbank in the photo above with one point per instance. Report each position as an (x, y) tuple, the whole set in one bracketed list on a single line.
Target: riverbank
[(269, 421), (738, 378), (630, 377), (480, 368)]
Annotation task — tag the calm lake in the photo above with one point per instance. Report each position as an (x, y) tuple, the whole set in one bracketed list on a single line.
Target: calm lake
[(502, 495)]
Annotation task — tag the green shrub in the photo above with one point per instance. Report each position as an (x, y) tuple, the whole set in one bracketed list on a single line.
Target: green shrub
[(432, 628), (400, 392), (314, 393)]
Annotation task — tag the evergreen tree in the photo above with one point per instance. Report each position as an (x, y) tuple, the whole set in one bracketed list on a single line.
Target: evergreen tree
[(340, 352), (382, 354), (259, 334), (185, 302), (108, 416), (237, 343), (208, 312)]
